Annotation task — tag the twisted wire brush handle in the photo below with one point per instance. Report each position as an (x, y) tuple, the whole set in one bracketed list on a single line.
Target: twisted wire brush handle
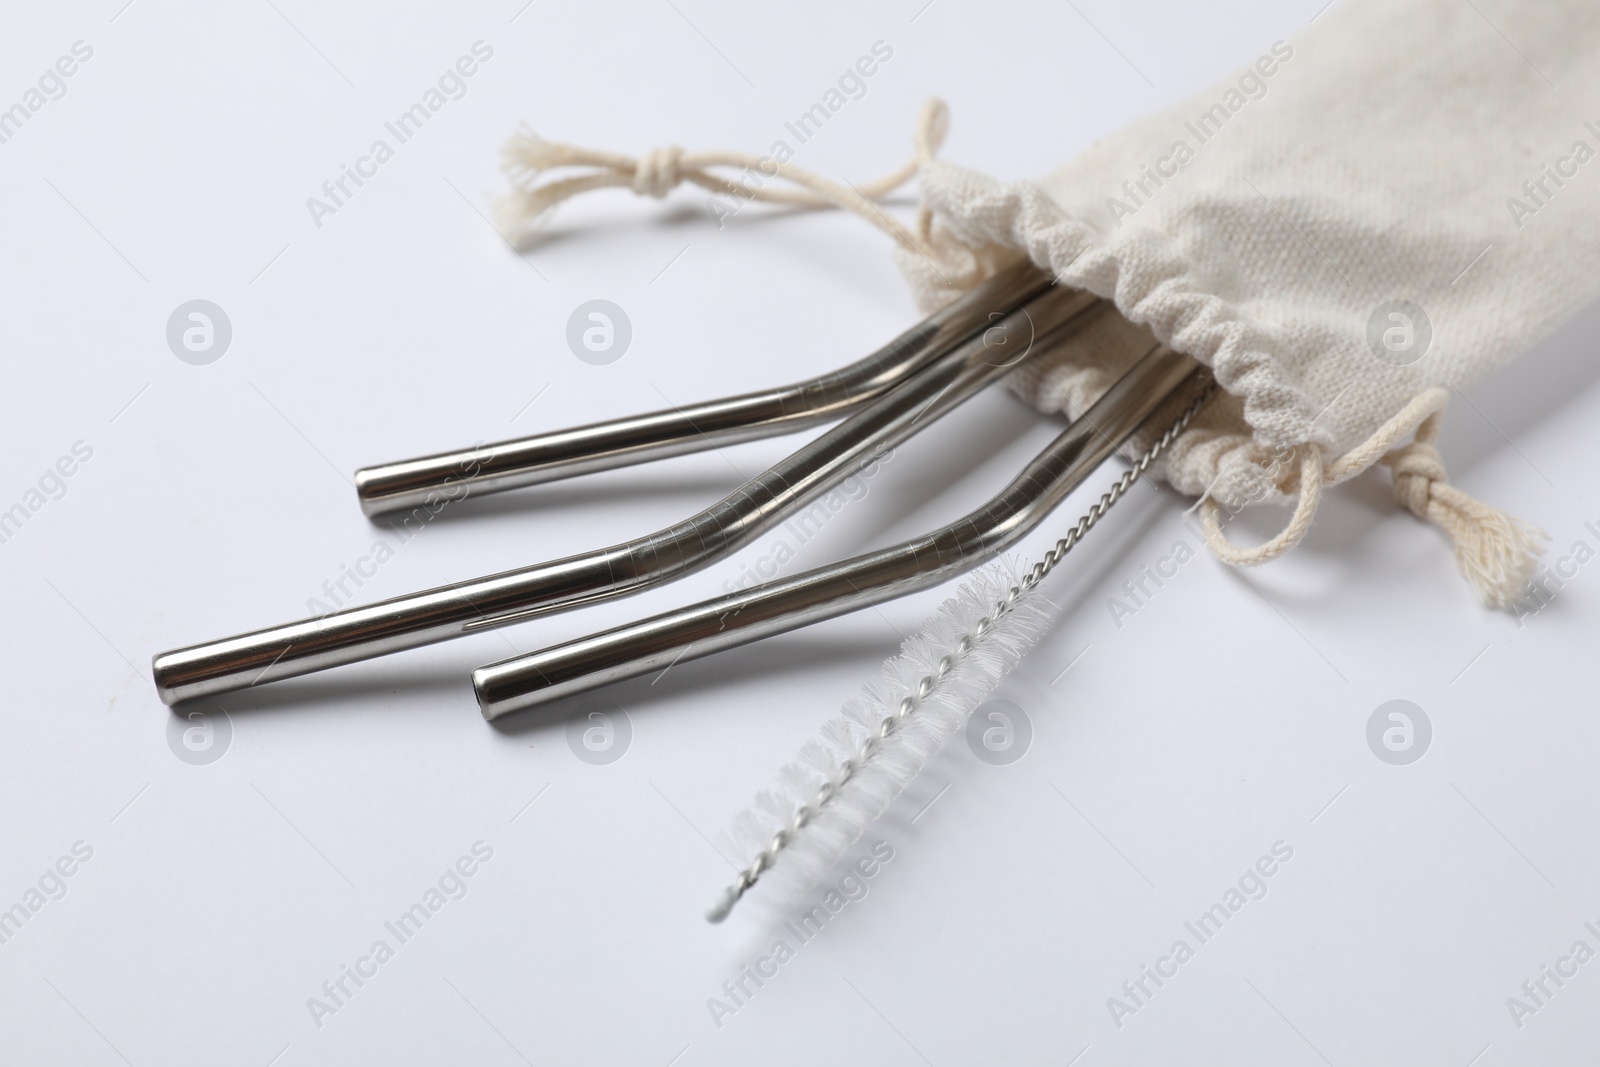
[(1036, 574), (1095, 513)]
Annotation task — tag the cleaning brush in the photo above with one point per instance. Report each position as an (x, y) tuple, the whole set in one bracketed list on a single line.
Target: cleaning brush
[(863, 759)]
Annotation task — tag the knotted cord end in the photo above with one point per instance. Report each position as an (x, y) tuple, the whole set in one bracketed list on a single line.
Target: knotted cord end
[(1497, 553)]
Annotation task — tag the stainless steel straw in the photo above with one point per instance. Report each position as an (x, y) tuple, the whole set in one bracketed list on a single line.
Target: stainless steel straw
[(930, 374), (549, 457), (837, 589)]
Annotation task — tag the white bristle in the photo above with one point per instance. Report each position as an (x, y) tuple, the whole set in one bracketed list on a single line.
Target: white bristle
[(979, 655), (867, 756)]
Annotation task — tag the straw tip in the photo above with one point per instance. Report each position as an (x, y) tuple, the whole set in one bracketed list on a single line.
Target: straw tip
[(166, 671)]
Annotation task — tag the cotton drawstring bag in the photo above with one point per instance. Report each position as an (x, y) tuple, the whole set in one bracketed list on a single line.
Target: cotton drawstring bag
[(1357, 224)]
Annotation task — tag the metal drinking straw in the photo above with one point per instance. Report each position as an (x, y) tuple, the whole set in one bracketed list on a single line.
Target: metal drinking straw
[(548, 457)]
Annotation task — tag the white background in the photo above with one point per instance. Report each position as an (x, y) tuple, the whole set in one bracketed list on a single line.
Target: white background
[(1228, 714)]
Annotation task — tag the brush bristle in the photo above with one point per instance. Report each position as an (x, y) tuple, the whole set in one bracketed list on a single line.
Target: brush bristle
[(867, 793)]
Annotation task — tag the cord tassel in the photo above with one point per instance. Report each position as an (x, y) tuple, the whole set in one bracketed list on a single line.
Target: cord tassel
[(1496, 552)]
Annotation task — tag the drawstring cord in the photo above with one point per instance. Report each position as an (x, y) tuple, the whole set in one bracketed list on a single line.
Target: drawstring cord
[(1496, 552), (530, 159)]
